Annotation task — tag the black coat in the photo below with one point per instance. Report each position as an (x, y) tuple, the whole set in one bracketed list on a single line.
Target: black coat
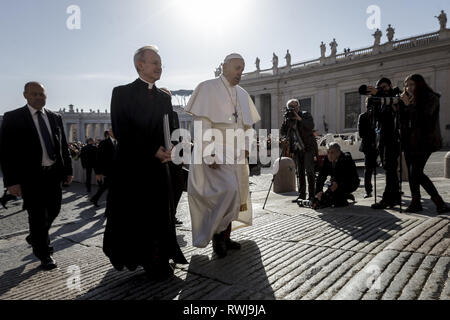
[(344, 173), (105, 157), (88, 156), (366, 130), (21, 151), (421, 131), (305, 129), (138, 223)]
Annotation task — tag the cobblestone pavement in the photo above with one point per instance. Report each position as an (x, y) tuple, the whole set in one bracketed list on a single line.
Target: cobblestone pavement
[(290, 253)]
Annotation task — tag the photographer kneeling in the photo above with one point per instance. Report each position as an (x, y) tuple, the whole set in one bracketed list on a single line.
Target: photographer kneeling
[(421, 136), (344, 179)]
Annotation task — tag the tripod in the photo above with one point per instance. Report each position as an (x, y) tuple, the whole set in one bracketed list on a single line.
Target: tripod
[(292, 131), (399, 132)]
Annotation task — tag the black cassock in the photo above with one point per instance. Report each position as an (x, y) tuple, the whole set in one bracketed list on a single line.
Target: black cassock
[(138, 229)]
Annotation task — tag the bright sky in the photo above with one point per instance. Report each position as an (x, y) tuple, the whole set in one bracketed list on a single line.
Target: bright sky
[(82, 66)]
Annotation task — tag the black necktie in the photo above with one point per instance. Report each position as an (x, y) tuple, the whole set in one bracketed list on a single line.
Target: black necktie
[(46, 136)]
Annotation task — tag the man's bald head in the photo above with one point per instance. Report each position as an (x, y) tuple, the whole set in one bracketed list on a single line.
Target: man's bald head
[(34, 93), (233, 69)]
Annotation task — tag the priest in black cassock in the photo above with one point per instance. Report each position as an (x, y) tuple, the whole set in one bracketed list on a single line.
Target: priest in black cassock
[(140, 230)]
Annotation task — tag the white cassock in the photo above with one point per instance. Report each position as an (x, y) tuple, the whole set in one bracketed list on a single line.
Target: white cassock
[(217, 197)]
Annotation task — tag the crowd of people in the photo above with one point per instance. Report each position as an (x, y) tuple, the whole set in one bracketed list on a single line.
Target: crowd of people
[(396, 123)]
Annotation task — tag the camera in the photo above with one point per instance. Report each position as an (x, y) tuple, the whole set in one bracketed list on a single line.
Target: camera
[(290, 113), (381, 98)]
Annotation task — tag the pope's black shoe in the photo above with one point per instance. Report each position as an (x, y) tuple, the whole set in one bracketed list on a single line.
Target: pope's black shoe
[(232, 245), (219, 245), (48, 263), (159, 272)]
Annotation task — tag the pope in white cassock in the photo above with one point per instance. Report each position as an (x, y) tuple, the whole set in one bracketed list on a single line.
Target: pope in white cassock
[(218, 185)]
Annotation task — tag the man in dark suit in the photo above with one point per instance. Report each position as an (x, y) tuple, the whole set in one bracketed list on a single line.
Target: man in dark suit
[(344, 179), (103, 170), (366, 129), (35, 161), (141, 232), (88, 156)]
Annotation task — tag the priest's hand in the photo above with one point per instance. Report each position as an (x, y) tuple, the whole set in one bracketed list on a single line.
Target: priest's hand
[(164, 155), (214, 166)]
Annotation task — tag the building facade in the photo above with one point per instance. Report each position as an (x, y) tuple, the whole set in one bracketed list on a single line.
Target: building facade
[(80, 125), (328, 86)]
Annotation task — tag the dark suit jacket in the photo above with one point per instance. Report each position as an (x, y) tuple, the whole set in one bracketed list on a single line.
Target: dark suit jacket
[(21, 151), (105, 157), (88, 156), (366, 132), (344, 173)]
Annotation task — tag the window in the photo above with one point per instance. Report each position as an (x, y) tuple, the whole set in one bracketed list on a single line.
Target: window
[(266, 111), (305, 104), (352, 109)]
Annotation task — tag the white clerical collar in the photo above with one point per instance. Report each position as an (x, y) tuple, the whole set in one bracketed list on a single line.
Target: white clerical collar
[(150, 85), (112, 139), (225, 80), (33, 110)]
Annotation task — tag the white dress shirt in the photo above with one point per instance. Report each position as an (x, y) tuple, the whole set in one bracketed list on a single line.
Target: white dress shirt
[(46, 161), (150, 85)]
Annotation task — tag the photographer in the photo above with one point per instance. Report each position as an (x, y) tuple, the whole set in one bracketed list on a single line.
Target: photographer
[(302, 144), (386, 115), (421, 137), (366, 129), (344, 179)]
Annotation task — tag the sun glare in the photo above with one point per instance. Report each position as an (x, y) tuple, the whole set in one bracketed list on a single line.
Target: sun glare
[(216, 15)]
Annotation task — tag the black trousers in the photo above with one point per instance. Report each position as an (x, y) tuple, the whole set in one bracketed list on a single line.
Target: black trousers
[(392, 189), (88, 178), (42, 198), (416, 164), (370, 162), (103, 186), (305, 169)]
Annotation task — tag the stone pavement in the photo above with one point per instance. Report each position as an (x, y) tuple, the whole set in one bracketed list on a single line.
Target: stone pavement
[(290, 253)]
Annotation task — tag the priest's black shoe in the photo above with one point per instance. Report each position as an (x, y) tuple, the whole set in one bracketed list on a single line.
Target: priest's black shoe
[(232, 245), (368, 195), (219, 245), (48, 263)]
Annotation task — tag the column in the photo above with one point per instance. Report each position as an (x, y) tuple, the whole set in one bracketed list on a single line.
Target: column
[(67, 127), (90, 130), (82, 130), (275, 111), (258, 108)]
